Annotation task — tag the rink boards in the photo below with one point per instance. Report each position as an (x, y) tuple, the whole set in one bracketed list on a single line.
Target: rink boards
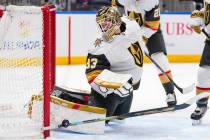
[(74, 37)]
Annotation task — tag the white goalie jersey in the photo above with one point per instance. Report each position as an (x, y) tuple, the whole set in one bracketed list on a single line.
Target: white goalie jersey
[(123, 55)]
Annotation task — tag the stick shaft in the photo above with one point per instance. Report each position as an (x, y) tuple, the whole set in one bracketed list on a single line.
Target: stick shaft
[(128, 115), (169, 78), (205, 33)]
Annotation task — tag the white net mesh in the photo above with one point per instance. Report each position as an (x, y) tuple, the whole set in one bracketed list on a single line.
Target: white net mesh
[(21, 70)]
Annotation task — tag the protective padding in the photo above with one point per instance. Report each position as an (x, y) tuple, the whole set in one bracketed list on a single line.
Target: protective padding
[(203, 77), (161, 59), (65, 110)]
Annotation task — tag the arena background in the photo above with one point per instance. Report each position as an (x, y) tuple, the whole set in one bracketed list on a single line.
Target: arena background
[(76, 29)]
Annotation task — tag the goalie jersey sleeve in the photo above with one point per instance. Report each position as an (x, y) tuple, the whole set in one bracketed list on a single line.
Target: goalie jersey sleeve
[(95, 64), (122, 55), (145, 12)]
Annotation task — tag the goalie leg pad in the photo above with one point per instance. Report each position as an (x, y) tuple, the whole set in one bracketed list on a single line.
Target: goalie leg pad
[(71, 95)]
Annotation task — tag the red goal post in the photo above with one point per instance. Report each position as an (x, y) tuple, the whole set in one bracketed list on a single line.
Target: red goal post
[(27, 68), (49, 61)]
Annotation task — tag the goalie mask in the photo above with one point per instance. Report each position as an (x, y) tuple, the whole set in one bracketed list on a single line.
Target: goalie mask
[(107, 18)]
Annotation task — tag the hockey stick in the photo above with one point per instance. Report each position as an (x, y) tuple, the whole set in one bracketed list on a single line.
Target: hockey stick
[(205, 33), (65, 123), (182, 90)]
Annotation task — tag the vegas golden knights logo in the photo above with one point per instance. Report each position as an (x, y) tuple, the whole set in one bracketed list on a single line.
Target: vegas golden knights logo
[(207, 13), (137, 53), (136, 16)]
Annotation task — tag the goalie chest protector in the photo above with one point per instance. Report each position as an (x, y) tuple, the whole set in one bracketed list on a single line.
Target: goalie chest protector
[(123, 55)]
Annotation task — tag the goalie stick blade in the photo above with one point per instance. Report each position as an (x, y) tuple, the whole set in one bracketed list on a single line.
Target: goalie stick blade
[(188, 89), (191, 101)]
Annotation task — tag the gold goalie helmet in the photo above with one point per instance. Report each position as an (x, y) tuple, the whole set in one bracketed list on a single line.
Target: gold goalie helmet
[(108, 18)]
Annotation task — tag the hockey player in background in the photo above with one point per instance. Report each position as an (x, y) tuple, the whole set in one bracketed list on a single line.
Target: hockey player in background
[(147, 15), (200, 20), (114, 63)]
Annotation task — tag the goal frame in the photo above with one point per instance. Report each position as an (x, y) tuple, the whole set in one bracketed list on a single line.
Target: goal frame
[(49, 18), (49, 62)]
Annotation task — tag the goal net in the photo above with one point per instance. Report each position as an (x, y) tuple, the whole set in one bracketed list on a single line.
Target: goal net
[(27, 69)]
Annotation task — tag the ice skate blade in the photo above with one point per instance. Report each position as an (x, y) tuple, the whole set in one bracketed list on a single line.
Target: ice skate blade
[(196, 122)]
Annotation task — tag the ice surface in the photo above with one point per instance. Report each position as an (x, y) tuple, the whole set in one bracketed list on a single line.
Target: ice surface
[(165, 126)]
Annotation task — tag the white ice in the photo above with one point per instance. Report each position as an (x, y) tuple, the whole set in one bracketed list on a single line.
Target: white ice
[(164, 126)]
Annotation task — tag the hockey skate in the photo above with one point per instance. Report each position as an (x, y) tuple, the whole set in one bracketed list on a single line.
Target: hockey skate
[(198, 114), (171, 99)]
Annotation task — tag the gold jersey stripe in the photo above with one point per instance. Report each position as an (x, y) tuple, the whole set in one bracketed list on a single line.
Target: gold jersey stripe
[(164, 79), (93, 74), (114, 3), (152, 24), (200, 90)]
